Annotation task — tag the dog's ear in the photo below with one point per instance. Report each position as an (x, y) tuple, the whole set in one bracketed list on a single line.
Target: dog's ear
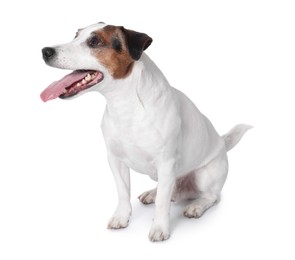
[(136, 42)]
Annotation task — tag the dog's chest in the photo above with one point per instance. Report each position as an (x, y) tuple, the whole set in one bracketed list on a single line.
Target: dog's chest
[(135, 157), (136, 145)]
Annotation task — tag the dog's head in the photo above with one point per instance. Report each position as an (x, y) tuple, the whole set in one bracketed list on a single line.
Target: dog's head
[(98, 53)]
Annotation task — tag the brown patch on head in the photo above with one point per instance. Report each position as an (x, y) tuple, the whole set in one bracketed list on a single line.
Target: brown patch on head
[(108, 45), (117, 48)]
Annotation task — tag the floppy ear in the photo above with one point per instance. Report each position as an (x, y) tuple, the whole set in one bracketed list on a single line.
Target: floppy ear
[(136, 42)]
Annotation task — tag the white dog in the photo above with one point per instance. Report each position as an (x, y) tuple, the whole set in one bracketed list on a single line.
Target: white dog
[(148, 126)]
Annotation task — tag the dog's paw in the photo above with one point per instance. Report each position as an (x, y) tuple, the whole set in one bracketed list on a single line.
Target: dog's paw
[(158, 233), (148, 197), (193, 211), (118, 221)]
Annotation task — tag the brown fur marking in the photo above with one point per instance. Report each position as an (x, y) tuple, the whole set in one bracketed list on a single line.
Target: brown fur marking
[(119, 64)]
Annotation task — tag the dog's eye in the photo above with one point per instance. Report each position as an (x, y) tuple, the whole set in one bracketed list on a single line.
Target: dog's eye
[(94, 41)]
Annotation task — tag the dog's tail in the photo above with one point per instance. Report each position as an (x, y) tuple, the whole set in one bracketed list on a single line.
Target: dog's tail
[(232, 138)]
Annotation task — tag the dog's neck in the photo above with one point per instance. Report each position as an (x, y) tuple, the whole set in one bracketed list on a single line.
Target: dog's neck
[(143, 87)]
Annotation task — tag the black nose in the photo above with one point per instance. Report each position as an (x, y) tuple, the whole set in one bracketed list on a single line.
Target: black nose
[(48, 53)]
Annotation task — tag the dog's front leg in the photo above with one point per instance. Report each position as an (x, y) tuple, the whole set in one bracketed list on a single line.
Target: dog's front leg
[(166, 180), (122, 213)]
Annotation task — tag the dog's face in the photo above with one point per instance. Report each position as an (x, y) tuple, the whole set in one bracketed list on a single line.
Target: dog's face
[(97, 54)]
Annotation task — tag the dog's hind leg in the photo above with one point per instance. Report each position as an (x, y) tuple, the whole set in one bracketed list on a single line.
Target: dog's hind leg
[(148, 197), (209, 181), (185, 188)]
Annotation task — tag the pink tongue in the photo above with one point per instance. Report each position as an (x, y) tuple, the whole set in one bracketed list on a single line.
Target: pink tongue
[(55, 89)]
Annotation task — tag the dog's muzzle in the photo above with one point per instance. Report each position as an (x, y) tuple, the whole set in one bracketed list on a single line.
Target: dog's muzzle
[(48, 53)]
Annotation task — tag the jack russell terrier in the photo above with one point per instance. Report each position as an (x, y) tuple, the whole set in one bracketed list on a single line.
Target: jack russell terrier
[(148, 126)]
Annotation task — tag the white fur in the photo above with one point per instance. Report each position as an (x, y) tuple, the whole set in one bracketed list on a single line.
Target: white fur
[(154, 129)]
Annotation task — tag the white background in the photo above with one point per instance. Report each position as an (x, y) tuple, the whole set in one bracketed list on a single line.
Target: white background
[(234, 59)]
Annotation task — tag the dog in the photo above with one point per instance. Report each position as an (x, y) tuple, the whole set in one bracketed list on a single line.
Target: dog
[(148, 126)]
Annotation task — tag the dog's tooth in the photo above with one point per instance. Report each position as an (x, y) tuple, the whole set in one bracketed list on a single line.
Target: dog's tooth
[(78, 84), (83, 81)]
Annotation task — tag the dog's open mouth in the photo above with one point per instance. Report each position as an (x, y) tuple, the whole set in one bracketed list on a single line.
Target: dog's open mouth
[(72, 84)]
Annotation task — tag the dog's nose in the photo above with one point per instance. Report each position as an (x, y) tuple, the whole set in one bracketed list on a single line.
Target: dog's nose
[(48, 53)]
